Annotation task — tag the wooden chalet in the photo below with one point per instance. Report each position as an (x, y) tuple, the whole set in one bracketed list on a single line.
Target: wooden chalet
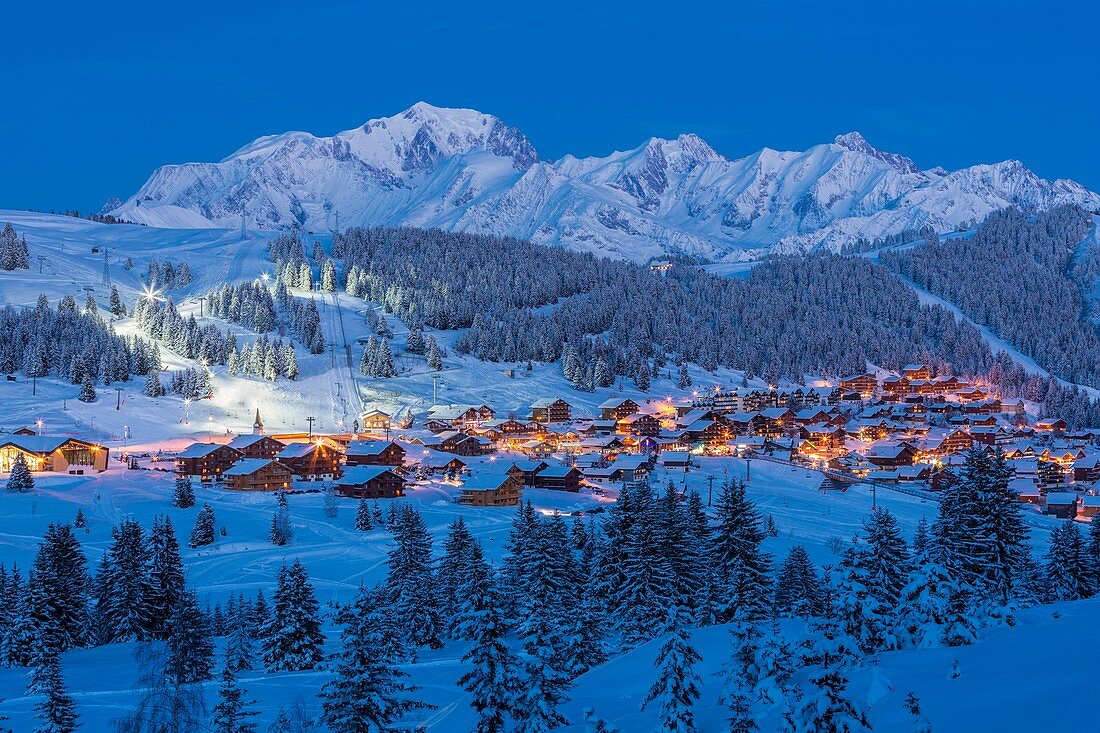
[(889, 457), (1086, 470), (641, 424), (1061, 504), (864, 384), (316, 461), (491, 489), (443, 463), (257, 446), (551, 410), (916, 371), (206, 462), (53, 453), (527, 469), (559, 478), (460, 416), (618, 408), (370, 482), (257, 474), (374, 453), (376, 421)]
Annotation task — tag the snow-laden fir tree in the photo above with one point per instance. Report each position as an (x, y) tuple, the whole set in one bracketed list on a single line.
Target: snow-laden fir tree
[(410, 582), (190, 651), (59, 587), (56, 711), (166, 584), (281, 531), (1068, 571), (232, 713), (960, 628), (434, 354), (122, 591), (798, 587), (367, 692), (742, 571), (363, 521), (543, 686), (461, 553), (292, 637), (87, 390), (491, 680), (183, 495), (676, 689), (20, 478), (829, 709), (922, 610), (203, 532), (153, 387)]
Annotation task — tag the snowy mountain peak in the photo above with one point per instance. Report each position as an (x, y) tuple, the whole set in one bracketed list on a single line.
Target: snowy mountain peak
[(855, 142), (460, 169)]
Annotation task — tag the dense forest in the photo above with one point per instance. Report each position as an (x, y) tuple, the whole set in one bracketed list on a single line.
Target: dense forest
[(1021, 275)]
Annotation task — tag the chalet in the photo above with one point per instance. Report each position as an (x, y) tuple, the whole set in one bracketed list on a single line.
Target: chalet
[(822, 440), (376, 421), (559, 478), (916, 371), (618, 408), (460, 416), (641, 424), (491, 489), (257, 474), (206, 462), (709, 432), (864, 384), (507, 426), (891, 456), (1061, 504), (25, 430), (604, 445), (1090, 507), (778, 421), (459, 443), (374, 453), (551, 410), (743, 444), (537, 448), (441, 463), (1087, 470), (675, 460), (1026, 490), (599, 427), (256, 446), (370, 482), (317, 461), (527, 469), (632, 467), (1054, 425), (992, 435), (53, 453), (895, 385)]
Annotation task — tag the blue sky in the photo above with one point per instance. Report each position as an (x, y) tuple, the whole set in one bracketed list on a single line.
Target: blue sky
[(97, 95)]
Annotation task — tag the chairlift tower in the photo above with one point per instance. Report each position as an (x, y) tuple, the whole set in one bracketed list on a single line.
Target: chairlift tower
[(106, 267)]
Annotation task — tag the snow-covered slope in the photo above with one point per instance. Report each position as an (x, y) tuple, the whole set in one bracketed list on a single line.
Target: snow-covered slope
[(458, 169)]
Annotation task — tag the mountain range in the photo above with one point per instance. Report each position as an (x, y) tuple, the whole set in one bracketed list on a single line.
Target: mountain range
[(459, 169)]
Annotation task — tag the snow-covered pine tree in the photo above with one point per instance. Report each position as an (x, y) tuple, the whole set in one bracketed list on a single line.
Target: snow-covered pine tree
[(190, 651), (742, 571), (676, 689), (292, 637), (60, 586), (203, 532), (281, 531), (117, 308), (410, 582), (959, 627), (121, 586), (87, 390), (363, 521), (183, 495), (232, 712), (1068, 573), (491, 680), (829, 709), (20, 478), (543, 685), (684, 379), (56, 710), (367, 693), (153, 387), (922, 610), (460, 553), (166, 584), (798, 587), (435, 355)]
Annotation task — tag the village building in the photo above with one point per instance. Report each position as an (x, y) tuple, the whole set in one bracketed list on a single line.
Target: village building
[(891, 456), (916, 371), (316, 461), (441, 463), (55, 453), (205, 462), (551, 410), (491, 489), (257, 474), (374, 453), (460, 416), (618, 408), (863, 384), (675, 460), (256, 445), (370, 482), (559, 478), (1061, 504), (376, 421), (641, 424)]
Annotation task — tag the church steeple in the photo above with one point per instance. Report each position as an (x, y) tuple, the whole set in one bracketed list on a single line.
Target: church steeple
[(258, 426)]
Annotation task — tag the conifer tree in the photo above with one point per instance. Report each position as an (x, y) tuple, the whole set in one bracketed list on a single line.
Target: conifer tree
[(153, 387), (231, 714), (203, 532), (798, 588), (676, 688), (183, 496), (410, 584), (367, 693), (57, 710), (922, 614), (166, 584), (363, 517), (121, 586), (59, 593), (20, 478), (491, 680), (742, 569), (1069, 576), (87, 390), (292, 637), (829, 709), (239, 647), (190, 651), (460, 553)]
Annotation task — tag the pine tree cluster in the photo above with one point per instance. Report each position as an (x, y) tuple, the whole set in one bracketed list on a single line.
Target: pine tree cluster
[(14, 254)]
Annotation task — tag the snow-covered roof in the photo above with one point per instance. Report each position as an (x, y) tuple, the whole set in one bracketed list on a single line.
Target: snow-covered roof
[(358, 475), (247, 466), (198, 450), (1061, 498), (243, 441), (368, 447), (297, 450), (35, 443), (485, 481)]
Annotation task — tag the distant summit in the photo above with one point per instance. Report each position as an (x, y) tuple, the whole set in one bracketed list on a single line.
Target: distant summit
[(460, 169)]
